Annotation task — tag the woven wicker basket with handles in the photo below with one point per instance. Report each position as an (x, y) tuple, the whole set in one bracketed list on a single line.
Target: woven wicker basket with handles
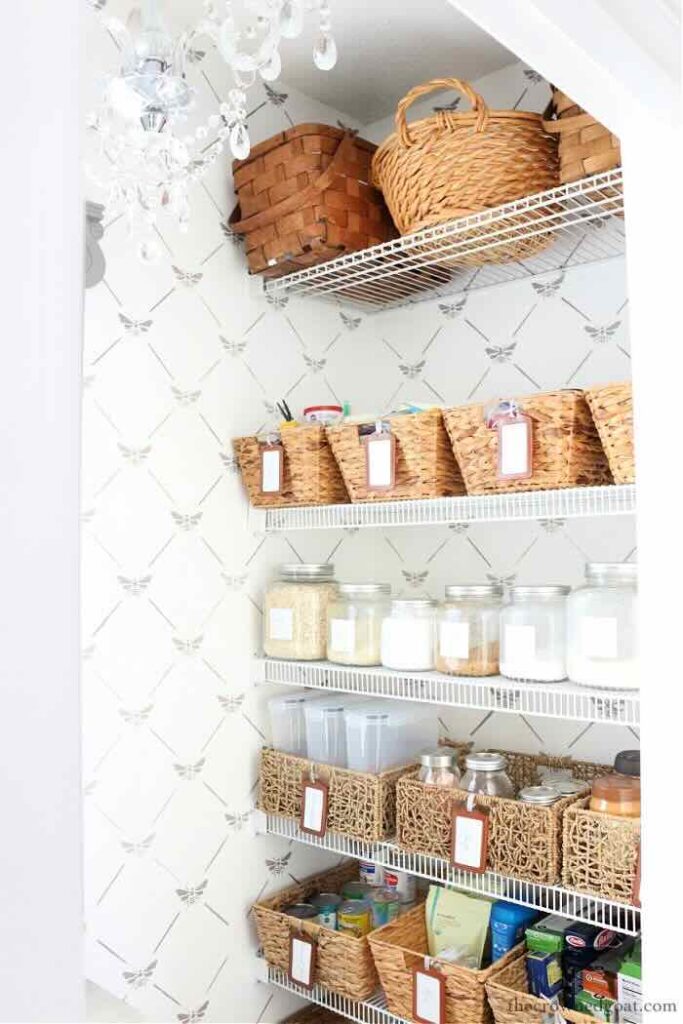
[(452, 164), (511, 1003)]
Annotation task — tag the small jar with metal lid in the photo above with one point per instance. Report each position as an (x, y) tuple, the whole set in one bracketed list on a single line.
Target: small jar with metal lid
[(408, 635), (354, 623), (485, 772), (295, 612), (437, 768), (468, 626), (533, 634), (602, 627), (539, 796)]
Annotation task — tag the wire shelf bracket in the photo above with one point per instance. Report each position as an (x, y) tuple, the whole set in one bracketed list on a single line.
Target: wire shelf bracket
[(372, 1011)]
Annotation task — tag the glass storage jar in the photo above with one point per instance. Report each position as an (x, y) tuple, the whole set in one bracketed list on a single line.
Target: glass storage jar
[(295, 612), (485, 773), (437, 768), (467, 631), (533, 634), (602, 628), (354, 623), (408, 634), (616, 794)]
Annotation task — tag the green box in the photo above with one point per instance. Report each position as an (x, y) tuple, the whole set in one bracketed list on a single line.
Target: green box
[(547, 935), (596, 1006)]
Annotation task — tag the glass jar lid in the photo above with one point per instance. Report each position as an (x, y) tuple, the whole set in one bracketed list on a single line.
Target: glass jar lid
[(612, 572), (364, 589), (458, 590), (540, 593), (627, 762), (486, 761), (412, 603), (542, 795), (616, 788), (438, 758), (307, 572), (568, 787)]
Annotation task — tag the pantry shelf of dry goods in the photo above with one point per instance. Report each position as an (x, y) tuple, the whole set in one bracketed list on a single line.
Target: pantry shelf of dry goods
[(575, 224)]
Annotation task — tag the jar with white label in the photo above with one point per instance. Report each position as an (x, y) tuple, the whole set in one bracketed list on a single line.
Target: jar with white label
[(467, 630), (602, 627), (354, 623), (295, 612), (533, 634), (408, 635)]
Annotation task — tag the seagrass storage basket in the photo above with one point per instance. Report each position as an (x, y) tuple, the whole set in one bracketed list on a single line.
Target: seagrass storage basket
[(360, 805), (511, 1003), (452, 164), (585, 146), (305, 197), (612, 408), (566, 449), (600, 853), (344, 963), (402, 945), (314, 1015), (425, 466), (310, 475), (525, 841)]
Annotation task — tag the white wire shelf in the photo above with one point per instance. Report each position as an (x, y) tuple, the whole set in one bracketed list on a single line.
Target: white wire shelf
[(551, 899), (569, 503), (372, 1011), (493, 693), (574, 224)]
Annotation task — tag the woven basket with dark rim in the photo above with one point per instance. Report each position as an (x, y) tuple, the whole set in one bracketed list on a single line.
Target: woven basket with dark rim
[(360, 805), (314, 1015), (586, 146), (425, 466), (402, 945), (452, 164), (566, 446), (600, 853), (525, 841), (612, 408), (305, 197), (344, 963), (310, 473), (511, 1003)]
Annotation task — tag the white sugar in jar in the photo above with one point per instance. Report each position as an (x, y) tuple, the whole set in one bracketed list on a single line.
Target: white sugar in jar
[(602, 627), (533, 634), (408, 633)]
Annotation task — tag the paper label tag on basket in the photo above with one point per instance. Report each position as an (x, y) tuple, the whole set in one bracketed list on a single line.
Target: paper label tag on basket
[(281, 624), (515, 448), (429, 996), (599, 636), (469, 838), (314, 808), (343, 635), (635, 894), (454, 640), (380, 460), (302, 952), (272, 462)]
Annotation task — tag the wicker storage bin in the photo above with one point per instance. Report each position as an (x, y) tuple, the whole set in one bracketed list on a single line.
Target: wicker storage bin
[(452, 164), (344, 963), (360, 805), (600, 853), (310, 473), (402, 945), (585, 146), (525, 841), (425, 466), (612, 408), (566, 446), (314, 1015), (511, 1003), (305, 197)]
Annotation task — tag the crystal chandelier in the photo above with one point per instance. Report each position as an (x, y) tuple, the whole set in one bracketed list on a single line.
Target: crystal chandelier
[(149, 164)]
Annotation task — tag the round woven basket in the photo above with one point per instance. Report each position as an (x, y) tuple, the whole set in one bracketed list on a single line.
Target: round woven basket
[(452, 164)]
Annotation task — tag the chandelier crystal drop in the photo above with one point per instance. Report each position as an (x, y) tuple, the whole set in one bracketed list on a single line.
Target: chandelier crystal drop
[(149, 164)]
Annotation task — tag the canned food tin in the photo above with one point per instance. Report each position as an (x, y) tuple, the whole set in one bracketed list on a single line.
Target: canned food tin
[(385, 907), (327, 904), (356, 891), (403, 884), (354, 917), (304, 911), (371, 874)]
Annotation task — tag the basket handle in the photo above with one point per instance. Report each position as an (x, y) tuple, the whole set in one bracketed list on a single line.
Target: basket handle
[(478, 104), (299, 199)]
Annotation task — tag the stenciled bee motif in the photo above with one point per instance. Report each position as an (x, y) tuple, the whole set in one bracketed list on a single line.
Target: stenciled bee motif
[(137, 716), (194, 894), (235, 581), (230, 462), (415, 579), (412, 370), (189, 772), (276, 98), (551, 525), (277, 301), (230, 703), (237, 821), (501, 353), (502, 581), (138, 979), (187, 647), (135, 456), (185, 397), (278, 865), (314, 365), (194, 1016), (548, 288), (234, 348), (135, 327), (350, 322), (185, 277), (139, 848), (186, 521), (452, 309), (134, 586), (601, 335)]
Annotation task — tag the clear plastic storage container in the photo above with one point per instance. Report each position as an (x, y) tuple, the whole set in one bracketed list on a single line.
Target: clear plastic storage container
[(326, 728), (533, 634), (354, 623), (408, 634), (602, 627), (467, 631), (295, 612), (386, 734), (288, 723)]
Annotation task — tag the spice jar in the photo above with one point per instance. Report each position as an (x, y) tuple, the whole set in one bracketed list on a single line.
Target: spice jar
[(539, 796), (616, 794), (295, 612), (485, 773), (532, 639), (602, 627), (408, 635), (468, 625), (437, 768), (355, 623)]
